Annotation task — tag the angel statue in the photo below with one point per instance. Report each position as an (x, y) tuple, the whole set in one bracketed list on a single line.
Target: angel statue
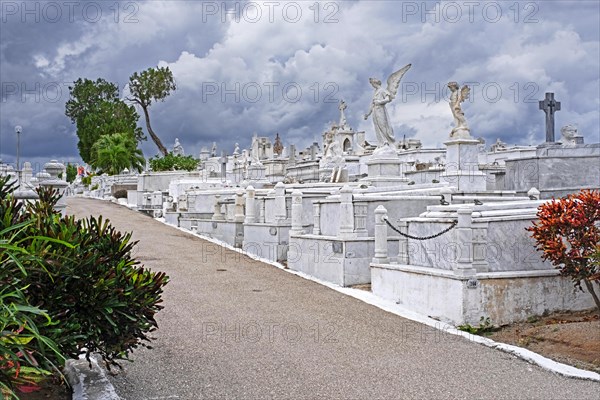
[(461, 129), (381, 97)]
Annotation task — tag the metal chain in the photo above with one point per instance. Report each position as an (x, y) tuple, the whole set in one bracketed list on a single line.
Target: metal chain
[(453, 224)]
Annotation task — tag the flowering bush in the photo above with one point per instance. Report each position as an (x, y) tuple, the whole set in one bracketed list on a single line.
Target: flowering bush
[(568, 234)]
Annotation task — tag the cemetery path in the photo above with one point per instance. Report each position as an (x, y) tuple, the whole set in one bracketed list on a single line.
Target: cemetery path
[(234, 327)]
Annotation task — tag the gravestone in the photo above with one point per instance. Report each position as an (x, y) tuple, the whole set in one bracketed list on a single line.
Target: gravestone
[(549, 106)]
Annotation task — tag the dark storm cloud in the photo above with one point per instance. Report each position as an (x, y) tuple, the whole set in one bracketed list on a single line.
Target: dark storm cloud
[(282, 67)]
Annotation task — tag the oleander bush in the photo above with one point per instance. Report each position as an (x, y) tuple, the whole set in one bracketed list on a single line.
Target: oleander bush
[(95, 296), (26, 356)]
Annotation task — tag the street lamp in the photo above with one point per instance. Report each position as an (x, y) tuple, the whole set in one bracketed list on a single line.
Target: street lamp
[(18, 130)]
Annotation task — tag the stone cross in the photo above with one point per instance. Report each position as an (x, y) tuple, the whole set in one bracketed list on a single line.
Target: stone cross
[(223, 161), (549, 106), (343, 122)]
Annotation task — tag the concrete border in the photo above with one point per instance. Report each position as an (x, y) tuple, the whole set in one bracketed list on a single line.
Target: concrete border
[(89, 384)]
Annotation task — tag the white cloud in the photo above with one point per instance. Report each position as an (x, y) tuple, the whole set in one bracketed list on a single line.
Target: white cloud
[(370, 38)]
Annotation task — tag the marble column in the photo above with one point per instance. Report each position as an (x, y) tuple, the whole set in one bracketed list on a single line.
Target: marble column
[(280, 212), (250, 205), (296, 212), (381, 246)]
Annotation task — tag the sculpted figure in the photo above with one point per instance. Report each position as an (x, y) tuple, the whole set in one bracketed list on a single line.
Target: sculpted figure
[(461, 128), (178, 148), (569, 136), (278, 146), (381, 97), (255, 158)]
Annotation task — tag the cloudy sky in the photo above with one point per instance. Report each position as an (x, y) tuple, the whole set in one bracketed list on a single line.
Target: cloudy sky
[(283, 66)]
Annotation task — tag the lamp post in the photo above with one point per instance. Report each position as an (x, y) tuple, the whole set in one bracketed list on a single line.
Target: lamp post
[(18, 130)]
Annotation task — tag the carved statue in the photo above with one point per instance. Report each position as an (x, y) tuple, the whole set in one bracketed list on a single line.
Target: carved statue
[(178, 148), (254, 157), (278, 146), (569, 136), (236, 150), (213, 152), (461, 128), (333, 152), (381, 97)]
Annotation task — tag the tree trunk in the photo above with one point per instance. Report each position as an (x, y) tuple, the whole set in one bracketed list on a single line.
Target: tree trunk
[(155, 138), (590, 287)]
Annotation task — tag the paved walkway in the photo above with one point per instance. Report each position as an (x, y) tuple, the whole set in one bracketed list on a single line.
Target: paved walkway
[(233, 327)]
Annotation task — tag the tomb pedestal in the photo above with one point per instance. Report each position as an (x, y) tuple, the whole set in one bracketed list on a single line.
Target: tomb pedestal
[(385, 168), (462, 170)]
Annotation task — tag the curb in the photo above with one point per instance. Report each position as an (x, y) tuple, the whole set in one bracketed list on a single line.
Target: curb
[(89, 384)]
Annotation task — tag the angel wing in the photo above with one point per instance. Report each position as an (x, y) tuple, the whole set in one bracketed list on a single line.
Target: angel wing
[(464, 93), (393, 82)]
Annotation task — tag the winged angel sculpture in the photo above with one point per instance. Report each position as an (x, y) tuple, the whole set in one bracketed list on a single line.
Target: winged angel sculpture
[(381, 97), (461, 128)]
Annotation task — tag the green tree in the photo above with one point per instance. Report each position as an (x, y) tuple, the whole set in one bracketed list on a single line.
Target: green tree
[(153, 84), (71, 172), (113, 153), (95, 107), (171, 162)]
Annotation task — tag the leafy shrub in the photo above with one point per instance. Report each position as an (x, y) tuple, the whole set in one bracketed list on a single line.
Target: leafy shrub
[(26, 356), (98, 296), (568, 234), (86, 180), (485, 327), (172, 162)]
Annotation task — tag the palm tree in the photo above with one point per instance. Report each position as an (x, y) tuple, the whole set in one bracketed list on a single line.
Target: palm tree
[(113, 153)]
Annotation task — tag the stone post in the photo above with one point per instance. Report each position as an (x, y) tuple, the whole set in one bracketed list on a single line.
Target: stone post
[(217, 215), (447, 193), (296, 212), (381, 246), (346, 229), (403, 244), (280, 214), (239, 206), (533, 194), (464, 243), (250, 205), (316, 218)]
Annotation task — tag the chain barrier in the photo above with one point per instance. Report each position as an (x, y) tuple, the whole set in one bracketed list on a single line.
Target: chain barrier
[(453, 224)]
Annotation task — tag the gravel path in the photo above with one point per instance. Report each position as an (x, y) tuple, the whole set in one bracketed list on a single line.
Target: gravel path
[(233, 327)]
